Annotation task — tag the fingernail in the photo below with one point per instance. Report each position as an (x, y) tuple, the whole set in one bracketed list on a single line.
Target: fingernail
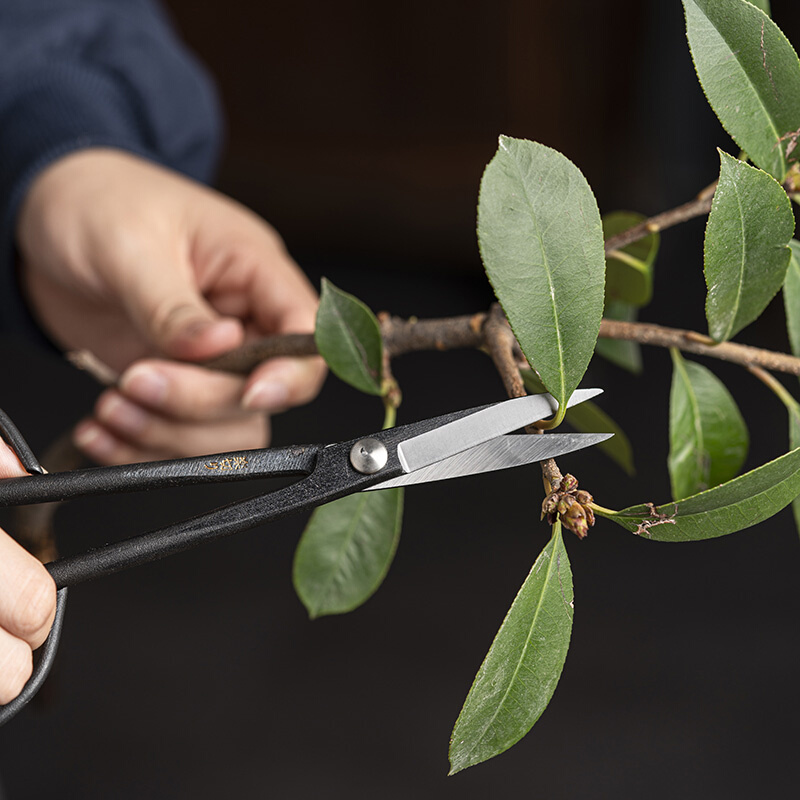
[(145, 384), (122, 415), (93, 440), (266, 396)]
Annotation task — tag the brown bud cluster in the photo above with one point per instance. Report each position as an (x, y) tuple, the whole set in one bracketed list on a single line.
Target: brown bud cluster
[(569, 504)]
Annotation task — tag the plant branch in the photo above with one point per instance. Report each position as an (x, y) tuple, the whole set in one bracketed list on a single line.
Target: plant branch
[(410, 335), (501, 346), (693, 342), (666, 219)]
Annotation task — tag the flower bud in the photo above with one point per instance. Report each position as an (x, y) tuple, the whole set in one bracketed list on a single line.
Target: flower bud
[(565, 503), (575, 520), (549, 504), (568, 483)]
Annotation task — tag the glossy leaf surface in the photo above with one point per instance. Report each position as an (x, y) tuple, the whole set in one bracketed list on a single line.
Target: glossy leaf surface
[(629, 273), (791, 297), (707, 435), (346, 549), (349, 339), (738, 504), (541, 242), (751, 76), (523, 665), (746, 246)]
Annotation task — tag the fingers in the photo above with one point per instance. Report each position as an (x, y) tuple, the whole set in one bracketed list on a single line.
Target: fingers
[(10, 466), (27, 594), (164, 301), (16, 666), (183, 391), (109, 442), (167, 410), (27, 611), (27, 602), (282, 383)]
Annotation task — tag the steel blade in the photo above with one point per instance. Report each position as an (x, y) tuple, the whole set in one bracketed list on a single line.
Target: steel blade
[(482, 426), (502, 452)]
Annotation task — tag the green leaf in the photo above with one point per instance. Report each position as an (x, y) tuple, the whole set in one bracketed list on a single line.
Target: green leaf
[(762, 4), (738, 504), (622, 352), (523, 665), (629, 273), (346, 549), (708, 438), (746, 246), (348, 337), (751, 76), (791, 297), (541, 241)]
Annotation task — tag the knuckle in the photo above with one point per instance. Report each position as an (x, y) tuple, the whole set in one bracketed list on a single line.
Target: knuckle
[(35, 603), (17, 667)]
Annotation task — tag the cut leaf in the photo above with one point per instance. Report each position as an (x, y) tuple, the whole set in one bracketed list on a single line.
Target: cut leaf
[(346, 550), (622, 352), (746, 246), (708, 438), (587, 417), (541, 241), (751, 76), (523, 665), (738, 504), (791, 297), (348, 337), (629, 273)]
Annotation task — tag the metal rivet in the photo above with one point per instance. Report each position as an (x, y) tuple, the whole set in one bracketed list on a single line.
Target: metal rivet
[(368, 456)]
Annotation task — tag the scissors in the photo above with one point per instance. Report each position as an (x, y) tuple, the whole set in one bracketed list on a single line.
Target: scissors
[(462, 443)]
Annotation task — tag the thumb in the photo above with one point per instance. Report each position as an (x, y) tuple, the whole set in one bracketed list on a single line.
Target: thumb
[(167, 307)]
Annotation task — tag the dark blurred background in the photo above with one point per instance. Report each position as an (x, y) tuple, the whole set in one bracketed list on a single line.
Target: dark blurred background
[(361, 131)]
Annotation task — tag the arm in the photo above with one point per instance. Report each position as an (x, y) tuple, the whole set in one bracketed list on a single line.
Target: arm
[(83, 73), (132, 259)]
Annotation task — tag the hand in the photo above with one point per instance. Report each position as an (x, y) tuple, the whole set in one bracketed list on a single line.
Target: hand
[(136, 263), (27, 602)]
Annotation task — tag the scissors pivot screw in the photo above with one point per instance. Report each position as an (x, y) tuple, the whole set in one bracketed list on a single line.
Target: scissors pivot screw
[(368, 456)]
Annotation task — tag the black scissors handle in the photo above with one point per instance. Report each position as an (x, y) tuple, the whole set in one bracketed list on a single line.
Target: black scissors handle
[(241, 465), (332, 477), (329, 472)]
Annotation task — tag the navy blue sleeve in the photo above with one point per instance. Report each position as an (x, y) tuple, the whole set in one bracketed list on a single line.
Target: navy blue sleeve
[(84, 73)]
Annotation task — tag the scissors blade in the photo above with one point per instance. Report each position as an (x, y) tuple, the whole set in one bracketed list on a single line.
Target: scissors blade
[(467, 432), (502, 452)]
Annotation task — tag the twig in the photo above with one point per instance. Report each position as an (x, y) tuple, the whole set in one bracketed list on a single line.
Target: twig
[(500, 344), (409, 335), (666, 219), (693, 342)]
